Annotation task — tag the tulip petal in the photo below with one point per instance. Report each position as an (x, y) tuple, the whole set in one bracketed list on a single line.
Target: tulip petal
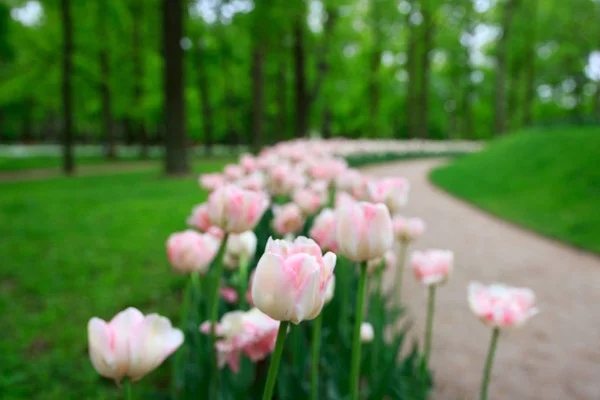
[(122, 326), (272, 290), (308, 302), (152, 342), (100, 339)]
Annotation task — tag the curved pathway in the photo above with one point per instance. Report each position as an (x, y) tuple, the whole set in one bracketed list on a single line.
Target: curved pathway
[(556, 355)]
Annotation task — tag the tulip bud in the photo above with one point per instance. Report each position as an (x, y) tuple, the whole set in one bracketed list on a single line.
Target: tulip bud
[(287, 219), (501, 306), (290, 281), (248, 163), (366, 332), (323, 230), (364, 231), (233, 172), (236, 210), (251, 333), (190, 251), (239, 247), (432, 267), (309, 200), (211, 181), (199, 218), (393, 192), (131, 344), (408, 229)]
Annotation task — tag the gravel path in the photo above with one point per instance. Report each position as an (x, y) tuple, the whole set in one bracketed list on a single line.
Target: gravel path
[(556, 355)]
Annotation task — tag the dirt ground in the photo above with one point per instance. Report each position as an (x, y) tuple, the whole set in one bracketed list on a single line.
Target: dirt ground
[(556, 355)]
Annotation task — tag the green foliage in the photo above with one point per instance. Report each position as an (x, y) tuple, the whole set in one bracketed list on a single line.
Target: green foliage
[(545, 180), (75, 248), (548, 44)]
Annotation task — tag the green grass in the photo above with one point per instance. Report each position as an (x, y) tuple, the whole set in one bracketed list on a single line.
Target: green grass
[(73, 248), (547, 181), (27, 163)]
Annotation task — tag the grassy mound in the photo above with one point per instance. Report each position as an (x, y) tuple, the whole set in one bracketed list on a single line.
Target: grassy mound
[(545, 180)]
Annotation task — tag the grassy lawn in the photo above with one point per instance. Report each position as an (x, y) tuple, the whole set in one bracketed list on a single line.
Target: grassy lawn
[(76, 248), (547, 181)]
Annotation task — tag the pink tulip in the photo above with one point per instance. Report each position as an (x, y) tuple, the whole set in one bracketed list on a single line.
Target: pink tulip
[(251, 333), (501, 306), (343, 199), (408, 229), (364, 231), (211, 181), (228, 294), (291, 279), (323, 230), (287, 219), (255, 182), (199, 218), (248, 163), (327, 169), (309, 200), (284, 180), (239, 247), (190, 251), (233, 172), (393, 192), (432, 267), (131, 345), (347, 180), (236, 210)]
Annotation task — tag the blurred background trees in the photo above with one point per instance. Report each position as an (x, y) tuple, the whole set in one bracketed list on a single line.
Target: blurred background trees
[(255, 72)]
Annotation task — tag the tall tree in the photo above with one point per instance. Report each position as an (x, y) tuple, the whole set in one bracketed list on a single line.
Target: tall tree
[(176, 158), (138, 75), (375, 63), (67, 36), (205, 106), (301, 99), (501, 61), (425, 68), (411, 69), (258, 94), (110, 146)]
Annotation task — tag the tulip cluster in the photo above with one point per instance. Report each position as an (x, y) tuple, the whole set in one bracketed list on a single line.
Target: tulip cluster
[(284, 194)]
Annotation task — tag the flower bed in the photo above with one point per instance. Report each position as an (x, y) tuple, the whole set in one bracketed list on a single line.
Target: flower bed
[(284, 298)]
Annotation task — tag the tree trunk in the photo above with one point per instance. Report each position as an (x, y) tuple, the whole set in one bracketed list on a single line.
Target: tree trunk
[(258, 96), (501, 55), (513, 95), (281, 133), (230, 110), (205, 107), (176, 159), (139, 129), (423, 115), (411, 89), (67, 138), (301, 122), (374, 72)]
